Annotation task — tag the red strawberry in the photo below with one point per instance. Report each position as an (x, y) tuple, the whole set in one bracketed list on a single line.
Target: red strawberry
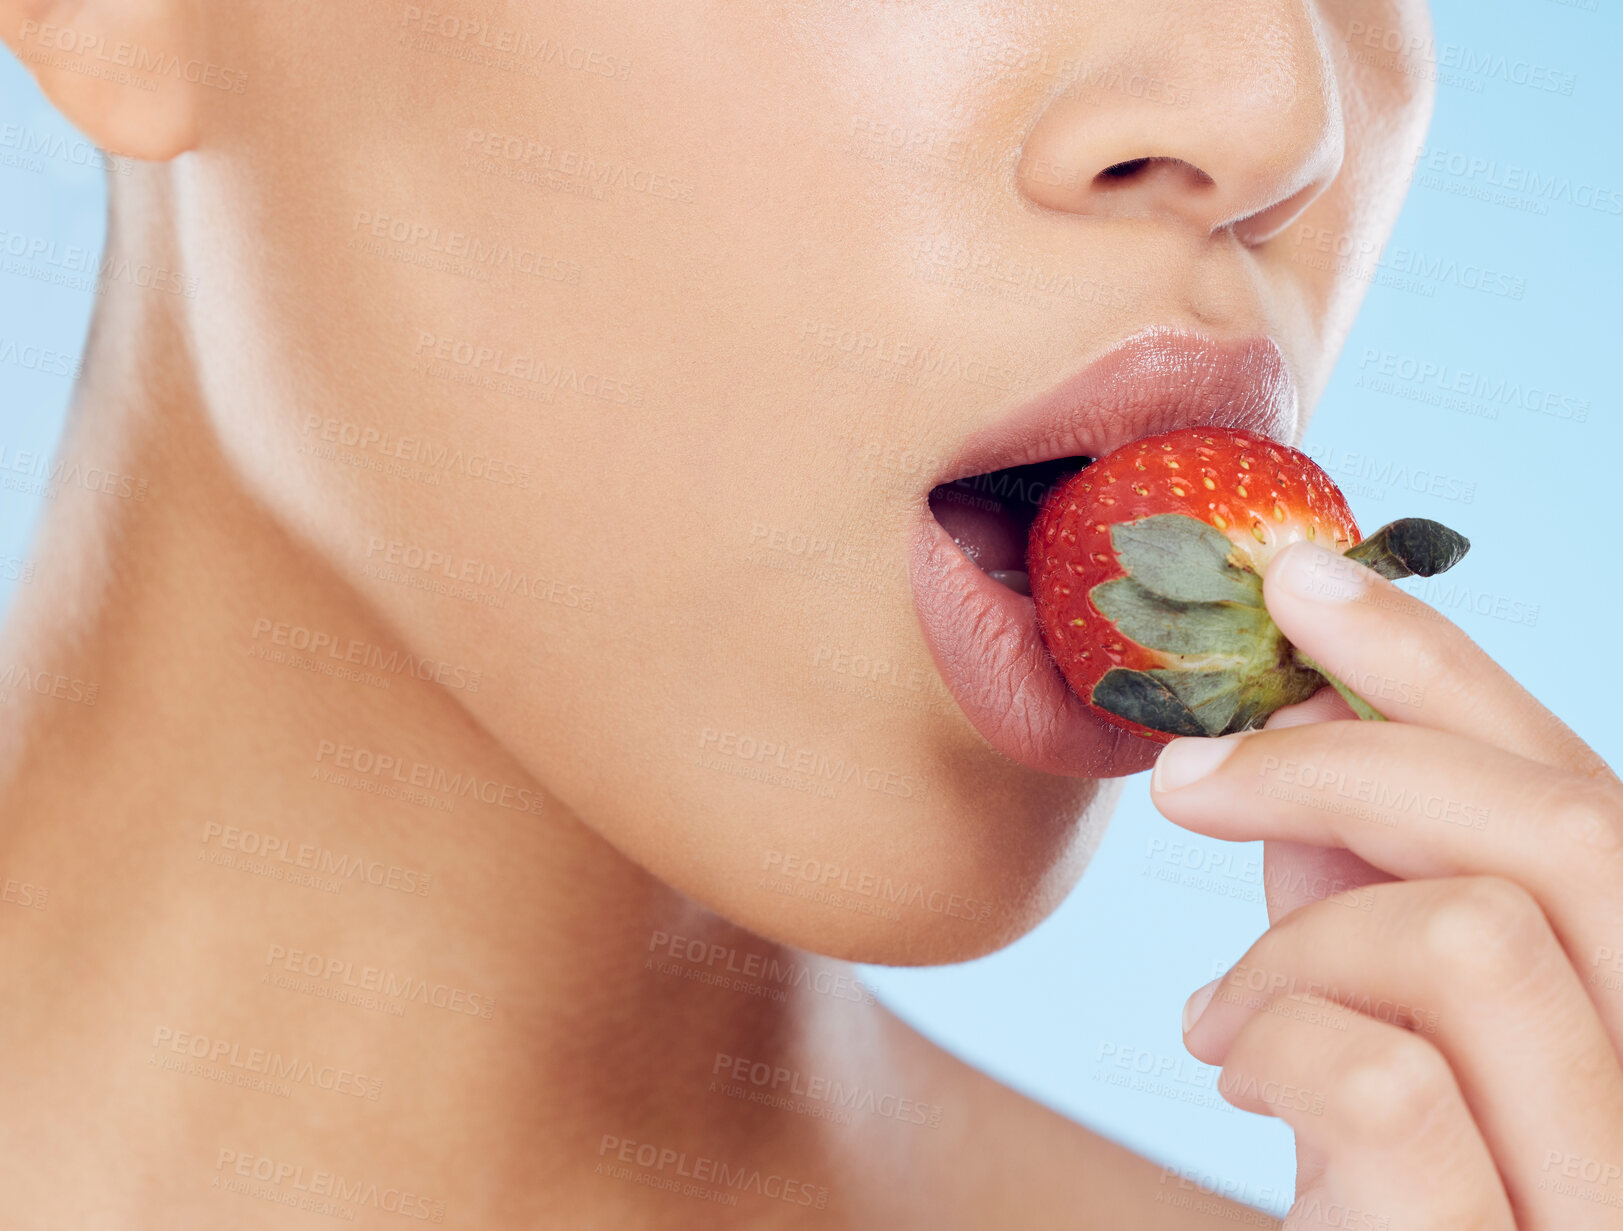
[(1146, 567)]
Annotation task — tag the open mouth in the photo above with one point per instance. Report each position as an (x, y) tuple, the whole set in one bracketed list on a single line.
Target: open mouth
[(971, 587), (989, 515)]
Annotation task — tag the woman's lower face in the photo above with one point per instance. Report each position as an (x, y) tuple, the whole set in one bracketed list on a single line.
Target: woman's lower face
[(696, 396)]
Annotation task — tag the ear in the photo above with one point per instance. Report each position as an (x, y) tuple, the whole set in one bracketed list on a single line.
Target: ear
[(126, 73)]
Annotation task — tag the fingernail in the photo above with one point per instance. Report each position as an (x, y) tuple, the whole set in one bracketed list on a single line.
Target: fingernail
[(1320, 576), (1196, 1004), (1189, 760)]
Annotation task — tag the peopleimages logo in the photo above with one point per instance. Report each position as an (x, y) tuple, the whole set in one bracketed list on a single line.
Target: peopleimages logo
[(324, 1187), (215, 1053), (1492, 391), (46, 683), (703, 1170), (812, 764), (310, 857), (364, 438), (837, 878), (782, 1082), (1414, 53), (133, 56), (530, 368), (1475, 171), (906, 356), (352, 650), (46, 476), (24, 894), (82, 269), (541, 156), (708, 962), (39, 359), (480, 252), (1392, 472), (75, 150), (519, 47), (341, 972), (420, 774), (503, 578)]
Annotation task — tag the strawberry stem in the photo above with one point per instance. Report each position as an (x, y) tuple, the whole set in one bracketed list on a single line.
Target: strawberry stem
[(1361, 707)]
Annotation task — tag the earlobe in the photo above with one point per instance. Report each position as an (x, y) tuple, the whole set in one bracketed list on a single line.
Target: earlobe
[(121, 71)]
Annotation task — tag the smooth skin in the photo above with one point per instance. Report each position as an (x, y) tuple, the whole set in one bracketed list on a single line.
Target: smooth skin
[(1444, 1033), (390, 202)]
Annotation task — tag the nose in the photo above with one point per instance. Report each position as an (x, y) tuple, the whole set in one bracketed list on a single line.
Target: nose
[(1230, 117)]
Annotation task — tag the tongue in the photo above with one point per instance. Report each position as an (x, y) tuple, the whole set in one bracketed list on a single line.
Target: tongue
[(983, 528)]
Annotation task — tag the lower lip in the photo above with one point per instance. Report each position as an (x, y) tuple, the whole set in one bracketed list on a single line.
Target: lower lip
[(986, 645)]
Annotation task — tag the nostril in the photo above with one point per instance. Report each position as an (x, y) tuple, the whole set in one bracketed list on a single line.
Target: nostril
[(1124, 170), (1151, 170)]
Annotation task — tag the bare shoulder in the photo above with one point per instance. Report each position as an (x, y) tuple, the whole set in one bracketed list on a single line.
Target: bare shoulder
[(998, 1158)]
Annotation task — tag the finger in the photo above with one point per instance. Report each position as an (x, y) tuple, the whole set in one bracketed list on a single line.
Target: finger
[(1326, 705), (1409, 662), (1421, 804), (1295, 873), (1472, 965), (1379, 1111)]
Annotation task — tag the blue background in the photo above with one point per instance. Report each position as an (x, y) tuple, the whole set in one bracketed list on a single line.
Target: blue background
[(1519, 190)]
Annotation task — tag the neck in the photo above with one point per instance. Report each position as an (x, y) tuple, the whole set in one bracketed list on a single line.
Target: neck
[(264, 840)]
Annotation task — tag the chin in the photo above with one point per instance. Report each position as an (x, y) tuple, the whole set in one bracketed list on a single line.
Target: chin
[(913, 883)]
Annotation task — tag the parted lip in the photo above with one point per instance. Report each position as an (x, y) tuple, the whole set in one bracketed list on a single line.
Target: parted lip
[(1156, 381), (983, 636)]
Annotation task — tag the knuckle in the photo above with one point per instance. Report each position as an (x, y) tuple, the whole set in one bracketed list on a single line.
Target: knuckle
[(1586, 814), (1569, 749), (1343, 742), (1485, 931), (1328, 916), (1276, 1064), (1438, 655), (1392, 1088), (1253, 980)]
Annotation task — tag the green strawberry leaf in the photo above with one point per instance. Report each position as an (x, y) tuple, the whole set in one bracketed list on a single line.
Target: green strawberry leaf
[(1217, 701), (1224, 701), (1159, 623), (1211, 696), (1139, 697), (1185, 595), (1184, 559), (1272, 690), (1411, 547)]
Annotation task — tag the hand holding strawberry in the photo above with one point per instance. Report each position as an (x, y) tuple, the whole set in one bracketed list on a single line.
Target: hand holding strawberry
[(1445, 1034), (1146, 568)]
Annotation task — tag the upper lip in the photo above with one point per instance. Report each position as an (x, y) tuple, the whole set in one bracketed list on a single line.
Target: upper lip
[(1156, 381)]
